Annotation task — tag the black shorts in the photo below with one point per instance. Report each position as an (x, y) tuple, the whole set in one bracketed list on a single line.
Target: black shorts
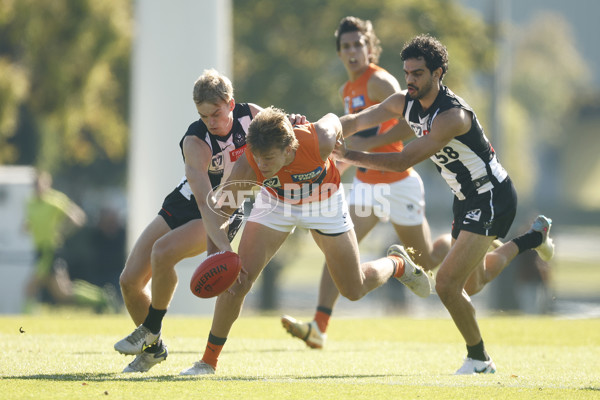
[(177, 210), (489, 214)]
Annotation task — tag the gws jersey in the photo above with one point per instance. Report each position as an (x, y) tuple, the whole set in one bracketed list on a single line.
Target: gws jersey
[(225, 150), (468, 162), (356, 98), (307, 178)]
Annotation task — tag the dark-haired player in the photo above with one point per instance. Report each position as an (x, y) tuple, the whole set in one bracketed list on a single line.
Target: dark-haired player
[(485, 200)]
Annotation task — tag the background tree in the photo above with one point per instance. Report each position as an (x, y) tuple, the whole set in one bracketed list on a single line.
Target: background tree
[(548, 77), (285, 52), (64, 77), (64, 81)]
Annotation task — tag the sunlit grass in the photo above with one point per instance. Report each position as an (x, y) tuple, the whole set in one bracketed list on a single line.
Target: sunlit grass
[(70, 355)]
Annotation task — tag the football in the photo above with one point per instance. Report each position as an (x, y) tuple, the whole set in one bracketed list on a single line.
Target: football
[(215, 274)]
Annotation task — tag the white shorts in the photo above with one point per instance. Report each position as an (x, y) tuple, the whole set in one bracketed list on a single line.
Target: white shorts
[(402, 202), (329, 216)]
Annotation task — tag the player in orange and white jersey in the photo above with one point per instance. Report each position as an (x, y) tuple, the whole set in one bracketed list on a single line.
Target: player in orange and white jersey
[(375, 195), (300, 186)]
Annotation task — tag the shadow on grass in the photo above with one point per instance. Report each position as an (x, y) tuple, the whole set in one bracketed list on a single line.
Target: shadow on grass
[(103, 377), (233, 351)]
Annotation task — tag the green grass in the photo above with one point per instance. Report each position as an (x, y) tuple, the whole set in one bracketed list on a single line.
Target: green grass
[(69, 356)]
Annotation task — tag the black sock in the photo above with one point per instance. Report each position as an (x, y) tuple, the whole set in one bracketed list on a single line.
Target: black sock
[(477, 352), (154, 319), (529, 240), (324, 310), (219, 341)]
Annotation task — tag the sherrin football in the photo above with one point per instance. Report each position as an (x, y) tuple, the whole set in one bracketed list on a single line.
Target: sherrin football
[(215, 274)]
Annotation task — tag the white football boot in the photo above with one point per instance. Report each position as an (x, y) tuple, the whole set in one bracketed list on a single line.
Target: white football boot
[(199, 368), (143, 362), (414, 277), (542, 225), (472, 367), (307, 331), (138, 341)]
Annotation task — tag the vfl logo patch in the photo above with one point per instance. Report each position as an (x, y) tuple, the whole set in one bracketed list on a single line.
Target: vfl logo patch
[(417, 129), (216, 163), (272, 182), (474, 215)]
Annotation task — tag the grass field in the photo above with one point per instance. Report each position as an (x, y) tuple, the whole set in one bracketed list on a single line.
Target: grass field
[(69, 355)]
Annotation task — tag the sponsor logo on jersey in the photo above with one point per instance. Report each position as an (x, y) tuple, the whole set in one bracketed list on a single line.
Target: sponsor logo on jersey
[(358, 101), (236, 153), (307, 176), (474, 215)]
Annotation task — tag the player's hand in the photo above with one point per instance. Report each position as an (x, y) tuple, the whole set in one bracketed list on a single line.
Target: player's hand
[(340, 149), (241, 280), (297, 119)]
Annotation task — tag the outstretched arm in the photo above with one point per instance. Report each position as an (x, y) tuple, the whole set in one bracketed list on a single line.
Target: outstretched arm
[(399, 132), (392, 107), (446, 126)]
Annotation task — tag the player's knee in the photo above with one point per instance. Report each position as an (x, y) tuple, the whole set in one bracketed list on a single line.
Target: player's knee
[(352, 294), (445, 289), (162, 255), (128, 284)]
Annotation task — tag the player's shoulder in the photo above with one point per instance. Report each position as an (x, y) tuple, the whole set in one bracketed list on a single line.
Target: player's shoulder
[(197, 128), (382, 84), (241, 108), (328, 127), (381, 74), (253, 109), (455, 120)]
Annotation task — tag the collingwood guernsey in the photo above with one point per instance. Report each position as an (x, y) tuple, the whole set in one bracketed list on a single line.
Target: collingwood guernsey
[(225, 150), (468, 162)]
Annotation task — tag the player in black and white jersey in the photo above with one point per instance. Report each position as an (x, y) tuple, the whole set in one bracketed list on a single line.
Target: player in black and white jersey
[(485, 200), (185, 226)]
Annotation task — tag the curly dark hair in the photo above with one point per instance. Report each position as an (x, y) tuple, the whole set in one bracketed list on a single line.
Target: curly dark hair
[(432, 50), (354, 24)]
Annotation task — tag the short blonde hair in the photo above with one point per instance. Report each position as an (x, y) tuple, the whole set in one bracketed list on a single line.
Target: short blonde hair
[(271, 128), (212, 87)]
